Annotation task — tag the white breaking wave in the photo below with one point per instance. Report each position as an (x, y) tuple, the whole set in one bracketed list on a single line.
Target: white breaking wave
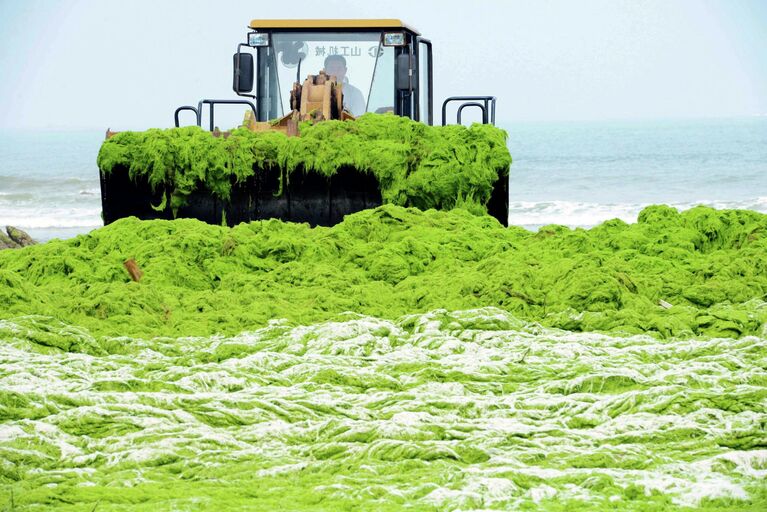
[(47, 218), (583, 214), (529, 214)]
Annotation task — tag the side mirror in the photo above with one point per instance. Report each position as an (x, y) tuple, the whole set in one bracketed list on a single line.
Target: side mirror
[(243, 73), (403, 78)]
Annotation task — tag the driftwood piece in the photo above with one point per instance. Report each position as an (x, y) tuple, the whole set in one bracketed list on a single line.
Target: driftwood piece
[(132, 267)]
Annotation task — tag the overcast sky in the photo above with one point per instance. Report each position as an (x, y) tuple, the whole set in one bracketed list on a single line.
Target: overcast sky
[(128, 64)]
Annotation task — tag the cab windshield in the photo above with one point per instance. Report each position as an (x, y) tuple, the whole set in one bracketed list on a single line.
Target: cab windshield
[(359, 60)]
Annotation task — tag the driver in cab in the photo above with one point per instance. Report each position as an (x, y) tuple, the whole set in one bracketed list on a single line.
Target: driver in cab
[(354, 101)]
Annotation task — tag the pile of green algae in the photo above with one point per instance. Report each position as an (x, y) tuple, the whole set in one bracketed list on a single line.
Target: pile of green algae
[(415, 164), (709, 265), (467, 410)]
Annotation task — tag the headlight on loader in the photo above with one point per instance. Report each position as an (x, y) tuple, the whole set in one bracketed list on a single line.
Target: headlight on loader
[(257, 39), (394, 39)]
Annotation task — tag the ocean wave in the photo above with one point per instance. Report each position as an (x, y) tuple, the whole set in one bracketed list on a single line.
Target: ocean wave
[(32, 180), (47, 218), (530, 214), (10, 197), (585, 214)]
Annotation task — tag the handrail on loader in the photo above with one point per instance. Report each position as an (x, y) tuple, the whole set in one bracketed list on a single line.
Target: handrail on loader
[(211, 103), (485, 103)]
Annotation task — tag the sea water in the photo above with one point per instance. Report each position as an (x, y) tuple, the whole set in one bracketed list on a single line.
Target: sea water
[(49, 182), (581, 174), (576, 173)]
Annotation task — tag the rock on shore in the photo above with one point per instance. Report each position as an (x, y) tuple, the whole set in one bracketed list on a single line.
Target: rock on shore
[(15, 238)]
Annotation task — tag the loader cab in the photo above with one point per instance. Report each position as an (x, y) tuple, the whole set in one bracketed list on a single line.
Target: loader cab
[(388, 65)]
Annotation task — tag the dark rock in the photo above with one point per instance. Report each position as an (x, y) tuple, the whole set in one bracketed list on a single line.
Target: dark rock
[(7, 243), (19, 236)]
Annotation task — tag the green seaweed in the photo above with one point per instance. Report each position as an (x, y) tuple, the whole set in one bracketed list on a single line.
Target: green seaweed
[(460, 410), (415, 164), (199, 279), (210, 384)]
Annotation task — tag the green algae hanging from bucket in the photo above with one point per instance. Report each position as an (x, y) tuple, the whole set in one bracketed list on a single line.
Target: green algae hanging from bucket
[(414, 164)]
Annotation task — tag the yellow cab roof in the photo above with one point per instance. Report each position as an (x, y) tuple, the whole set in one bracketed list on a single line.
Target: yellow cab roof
[(330, 24)]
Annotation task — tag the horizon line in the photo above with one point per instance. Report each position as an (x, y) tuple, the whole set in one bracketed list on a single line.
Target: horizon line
[(58, 128)]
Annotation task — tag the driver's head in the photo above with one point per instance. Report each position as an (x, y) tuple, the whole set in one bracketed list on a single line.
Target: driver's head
[(335, 65)]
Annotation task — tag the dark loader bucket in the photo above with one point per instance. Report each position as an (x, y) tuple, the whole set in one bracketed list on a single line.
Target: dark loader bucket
[(306, 197)]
